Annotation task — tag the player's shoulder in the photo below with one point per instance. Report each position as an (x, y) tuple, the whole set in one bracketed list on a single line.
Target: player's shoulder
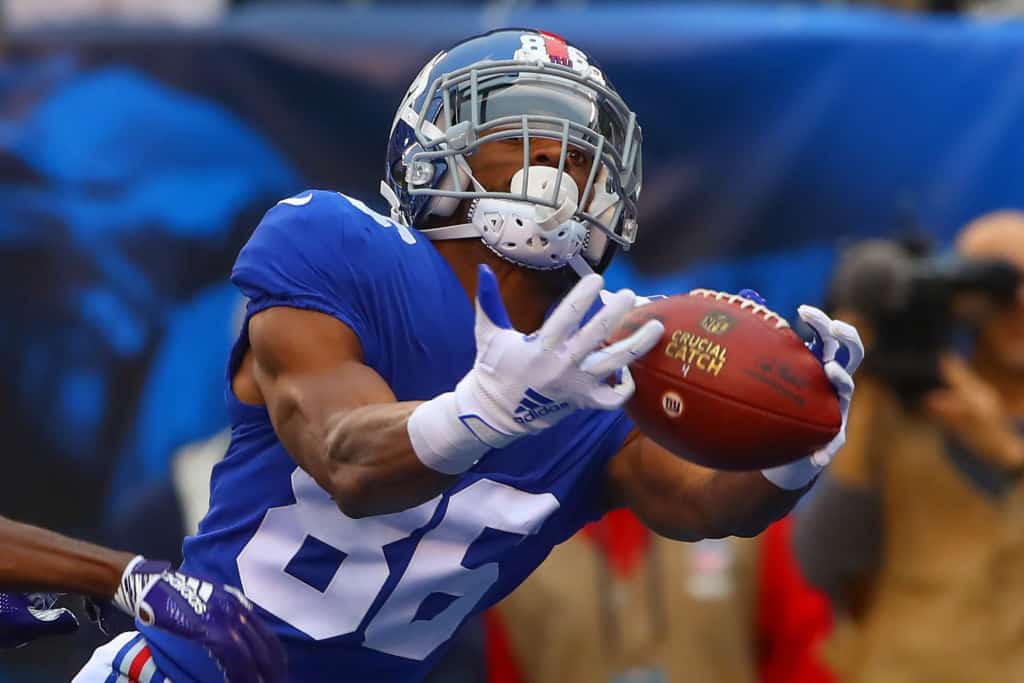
[(322, 229), (332, 215), (313, 245)]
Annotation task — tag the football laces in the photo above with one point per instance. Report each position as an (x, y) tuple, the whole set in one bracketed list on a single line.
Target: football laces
[(744, 303)]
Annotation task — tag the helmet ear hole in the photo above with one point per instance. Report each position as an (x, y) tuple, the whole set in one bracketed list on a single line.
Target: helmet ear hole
[(442, 206), (597, 245), (446, 206)]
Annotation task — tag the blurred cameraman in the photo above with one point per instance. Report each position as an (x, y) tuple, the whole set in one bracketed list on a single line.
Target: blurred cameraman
[(917, 532)]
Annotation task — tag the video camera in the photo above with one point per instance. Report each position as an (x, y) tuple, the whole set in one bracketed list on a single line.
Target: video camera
[(919, 306)]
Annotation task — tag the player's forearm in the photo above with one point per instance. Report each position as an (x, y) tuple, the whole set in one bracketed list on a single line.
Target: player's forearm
[(719, 504), (745, 503), (372, 466), (34, 559)]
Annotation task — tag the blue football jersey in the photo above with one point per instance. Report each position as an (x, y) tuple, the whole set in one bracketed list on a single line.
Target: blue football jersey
[(376, 599)]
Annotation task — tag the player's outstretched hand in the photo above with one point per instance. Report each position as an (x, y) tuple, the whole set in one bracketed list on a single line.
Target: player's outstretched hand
[(216, 616), (25, 617), (521, 383)]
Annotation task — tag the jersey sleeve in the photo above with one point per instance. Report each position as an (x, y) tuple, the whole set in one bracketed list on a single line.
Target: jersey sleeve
[(598, 436), (313, 252), (615, 429)]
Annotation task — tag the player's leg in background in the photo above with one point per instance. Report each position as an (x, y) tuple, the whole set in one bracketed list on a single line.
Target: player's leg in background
[(127, 655)]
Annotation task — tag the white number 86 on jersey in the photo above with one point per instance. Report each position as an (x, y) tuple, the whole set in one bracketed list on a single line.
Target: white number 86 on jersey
[(436, 565)]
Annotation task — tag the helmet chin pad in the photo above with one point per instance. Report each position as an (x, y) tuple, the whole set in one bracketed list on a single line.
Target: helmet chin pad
[(531, 234), (524, 232)]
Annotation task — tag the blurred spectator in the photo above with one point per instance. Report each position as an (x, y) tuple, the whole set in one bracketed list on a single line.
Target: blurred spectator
[(793, 618), (617, 603), (917, 531)]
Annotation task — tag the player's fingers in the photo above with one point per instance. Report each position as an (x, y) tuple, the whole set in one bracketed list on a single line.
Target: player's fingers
[(606, 397), (52, 620), (624, 382), (234, 656), (849, 339), (31, 616), (267, 659), (842, 382), (753, 296), (945, 406), (277, 662), (604, 362), (490, 309), (956, 374), (263, 643), (841, 379), (55, 621), (823, 457), (819, 322), (239, 650), (593, 334), (566, 317)]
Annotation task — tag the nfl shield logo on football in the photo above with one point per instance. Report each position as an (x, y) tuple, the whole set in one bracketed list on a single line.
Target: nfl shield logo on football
[(716, 322)]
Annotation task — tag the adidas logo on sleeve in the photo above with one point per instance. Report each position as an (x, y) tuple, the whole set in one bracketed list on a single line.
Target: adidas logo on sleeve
[(534, 405)]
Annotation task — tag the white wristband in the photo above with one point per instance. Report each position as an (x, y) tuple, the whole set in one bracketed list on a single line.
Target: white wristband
[(794, 475), (442, 439), (131, 587)]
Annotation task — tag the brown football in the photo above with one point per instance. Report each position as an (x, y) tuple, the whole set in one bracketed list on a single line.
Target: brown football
[(729, 385)]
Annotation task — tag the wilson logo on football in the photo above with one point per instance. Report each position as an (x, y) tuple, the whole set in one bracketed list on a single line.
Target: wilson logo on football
[(534, 405)]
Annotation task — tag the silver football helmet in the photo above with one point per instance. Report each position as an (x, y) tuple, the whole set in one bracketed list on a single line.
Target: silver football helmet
[(525, 85)]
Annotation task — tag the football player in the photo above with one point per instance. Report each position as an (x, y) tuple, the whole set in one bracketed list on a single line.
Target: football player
[(215, 617), (402, 458)]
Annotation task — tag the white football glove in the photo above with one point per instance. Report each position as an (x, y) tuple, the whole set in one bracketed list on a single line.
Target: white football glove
[(522, 384), (831, 336)]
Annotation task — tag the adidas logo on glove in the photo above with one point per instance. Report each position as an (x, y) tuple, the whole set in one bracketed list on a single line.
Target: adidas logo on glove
[(534, 405)]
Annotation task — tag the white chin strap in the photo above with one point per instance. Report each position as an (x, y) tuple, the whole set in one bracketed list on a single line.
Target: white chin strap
[(532, 235)]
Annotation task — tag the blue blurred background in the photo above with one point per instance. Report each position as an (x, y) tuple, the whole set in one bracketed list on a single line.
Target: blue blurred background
[(139, 147)]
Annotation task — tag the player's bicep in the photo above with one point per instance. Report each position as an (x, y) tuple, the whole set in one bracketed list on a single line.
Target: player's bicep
[(662, 489), (309, 368)]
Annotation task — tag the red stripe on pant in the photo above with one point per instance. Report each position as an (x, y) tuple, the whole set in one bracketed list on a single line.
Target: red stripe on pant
[(135, 670)]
